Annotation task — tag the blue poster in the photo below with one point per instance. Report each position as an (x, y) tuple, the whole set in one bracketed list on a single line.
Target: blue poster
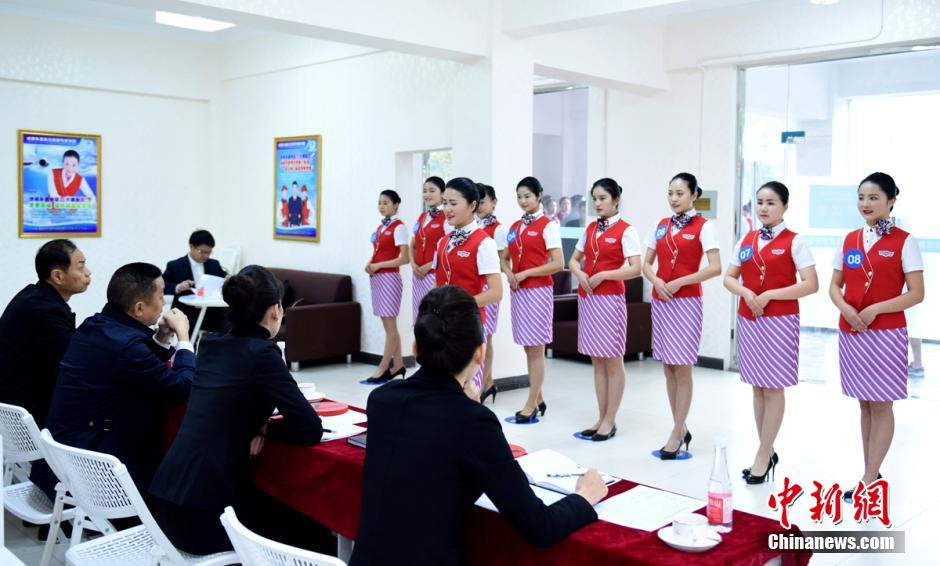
[(59, 188), (297, 169)]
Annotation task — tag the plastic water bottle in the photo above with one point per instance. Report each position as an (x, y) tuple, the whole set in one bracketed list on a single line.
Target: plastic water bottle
[(719, 490)]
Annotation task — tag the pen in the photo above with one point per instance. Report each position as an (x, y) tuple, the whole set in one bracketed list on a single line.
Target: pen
[(327, 430)]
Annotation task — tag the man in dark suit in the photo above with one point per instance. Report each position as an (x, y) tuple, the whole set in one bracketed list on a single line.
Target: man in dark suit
[(117, 374), (36, 328), (183, 274)]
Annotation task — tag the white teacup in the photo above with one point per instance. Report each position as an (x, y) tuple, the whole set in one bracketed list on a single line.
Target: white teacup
[(690, 527), (309, 390)]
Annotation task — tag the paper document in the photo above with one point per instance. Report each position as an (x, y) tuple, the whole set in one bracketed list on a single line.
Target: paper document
[(547, 497), (211, 285), (645, 508), (349, 418), (551, 470), (341, 432)]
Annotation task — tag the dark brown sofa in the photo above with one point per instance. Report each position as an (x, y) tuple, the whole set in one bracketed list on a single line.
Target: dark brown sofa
[(565, 325), (322, 320)]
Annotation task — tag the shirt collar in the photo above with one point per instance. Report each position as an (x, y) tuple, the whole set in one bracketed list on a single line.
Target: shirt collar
[(48, 290), (116, 314), (538, 213), (250, 331), (779, 228), (393, 218), (469, 227), (612, 220)]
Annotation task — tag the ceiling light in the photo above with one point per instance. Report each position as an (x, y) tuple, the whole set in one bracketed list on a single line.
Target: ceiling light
[(191, 22), (823, 2), (924, 47)]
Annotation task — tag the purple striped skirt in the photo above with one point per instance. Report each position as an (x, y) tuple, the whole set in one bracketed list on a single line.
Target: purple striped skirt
[(478, 379), (386, 294), (532, 309), (419, 288), (602, 326), (769, 350), (492, 316), (873, 364), (677, 330)]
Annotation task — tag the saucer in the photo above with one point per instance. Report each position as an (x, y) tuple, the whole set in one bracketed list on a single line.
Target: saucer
[(667, 535)]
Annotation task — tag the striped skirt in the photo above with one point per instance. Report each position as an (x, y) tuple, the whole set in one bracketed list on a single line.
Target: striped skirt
[(386, 294), (873, 364), (769, 350), (602, 326), (532, 309), (492, 315), (419, 288), (677, 330)]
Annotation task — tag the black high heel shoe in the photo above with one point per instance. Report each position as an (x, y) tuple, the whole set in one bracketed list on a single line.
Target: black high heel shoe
[(524, 418), (542, 408), (751, 479), (400, 372), (847, 497), (491, 390), (387, 375), (602, 437), (746, 471), (667, 455)]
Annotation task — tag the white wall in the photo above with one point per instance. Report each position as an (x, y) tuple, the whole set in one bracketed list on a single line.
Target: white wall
[(366, 108), (154, 183)]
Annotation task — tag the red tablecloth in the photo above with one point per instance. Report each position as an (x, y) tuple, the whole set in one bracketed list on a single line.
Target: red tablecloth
[(325, 483)]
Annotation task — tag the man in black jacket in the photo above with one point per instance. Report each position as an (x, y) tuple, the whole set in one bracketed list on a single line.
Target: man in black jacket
[(117, 374), (37, 326), (182, 275)]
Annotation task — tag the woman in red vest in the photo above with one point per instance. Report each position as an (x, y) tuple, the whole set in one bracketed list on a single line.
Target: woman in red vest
[(676, 245), (870, 272), (534, 254), (427, 232), (468, 257), (767, 262), (389, 252), (493, 228), (610, 248)]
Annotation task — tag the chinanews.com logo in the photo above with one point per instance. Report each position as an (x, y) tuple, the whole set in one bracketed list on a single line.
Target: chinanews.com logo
[(870, 505)]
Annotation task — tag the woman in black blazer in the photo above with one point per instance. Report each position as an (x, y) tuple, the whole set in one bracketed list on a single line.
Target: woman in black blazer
[(432, 451), (240, 379)]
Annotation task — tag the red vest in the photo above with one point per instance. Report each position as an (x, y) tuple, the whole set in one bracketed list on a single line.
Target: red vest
[(779, 271), (427, 237), (873, 277), (66, 190), (491, 229), (459, 266), (305, 213), (383, 245), (527, 250), (679, 254), (604, 253)]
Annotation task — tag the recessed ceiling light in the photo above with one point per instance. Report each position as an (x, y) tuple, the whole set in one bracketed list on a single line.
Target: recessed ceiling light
[(824, 2), (191, 22)]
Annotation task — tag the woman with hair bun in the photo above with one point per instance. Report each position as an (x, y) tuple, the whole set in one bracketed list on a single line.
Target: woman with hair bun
[(427, 232), (432, 452), (677, 245), (870, 273), (610, 248), (468, 257), (767, 262), (240, 380), (494, 229), (389, 252)]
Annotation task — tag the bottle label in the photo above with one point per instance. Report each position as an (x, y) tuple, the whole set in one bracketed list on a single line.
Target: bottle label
[(719, 508)]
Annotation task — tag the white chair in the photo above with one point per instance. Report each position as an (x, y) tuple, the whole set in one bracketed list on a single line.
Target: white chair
[(104, 490), (24, 499), (255, 550), (229, 258)]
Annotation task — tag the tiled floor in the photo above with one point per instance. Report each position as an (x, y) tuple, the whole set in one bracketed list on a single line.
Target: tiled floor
[(819, 441)]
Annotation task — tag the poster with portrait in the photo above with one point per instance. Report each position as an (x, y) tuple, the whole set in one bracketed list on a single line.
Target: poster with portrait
[(297, 170), (59, 184)]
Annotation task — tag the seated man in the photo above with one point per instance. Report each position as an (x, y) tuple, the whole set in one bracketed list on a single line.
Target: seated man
[(36, 328), (183, 274), (116, 379)]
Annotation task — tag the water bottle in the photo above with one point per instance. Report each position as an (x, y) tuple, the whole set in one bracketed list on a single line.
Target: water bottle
[(719, 490)]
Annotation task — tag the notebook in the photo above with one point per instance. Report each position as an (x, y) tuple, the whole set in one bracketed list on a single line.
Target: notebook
[(553, 471)]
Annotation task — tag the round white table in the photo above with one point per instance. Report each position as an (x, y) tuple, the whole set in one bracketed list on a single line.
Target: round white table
[(203, 304)]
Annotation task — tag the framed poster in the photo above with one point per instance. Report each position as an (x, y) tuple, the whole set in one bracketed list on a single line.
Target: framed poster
[(59, 184), (297, 169)]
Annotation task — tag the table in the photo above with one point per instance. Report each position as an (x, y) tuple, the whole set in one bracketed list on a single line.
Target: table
[(324, 482), (201, 303)]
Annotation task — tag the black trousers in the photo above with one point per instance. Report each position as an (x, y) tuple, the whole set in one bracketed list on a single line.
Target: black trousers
[(199, 531)]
